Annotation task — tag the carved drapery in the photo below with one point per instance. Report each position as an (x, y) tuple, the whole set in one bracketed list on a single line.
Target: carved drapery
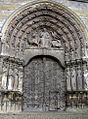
[(44, 38), (77, 92), (12, 74), (11, 85)]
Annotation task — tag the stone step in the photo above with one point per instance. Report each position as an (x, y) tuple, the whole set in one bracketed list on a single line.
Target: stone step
[(50, 115)]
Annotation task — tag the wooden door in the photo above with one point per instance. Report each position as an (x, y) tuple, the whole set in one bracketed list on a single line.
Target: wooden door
[(44, 85)]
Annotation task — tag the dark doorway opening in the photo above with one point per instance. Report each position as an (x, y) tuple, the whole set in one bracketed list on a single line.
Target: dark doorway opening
[(44, 85)]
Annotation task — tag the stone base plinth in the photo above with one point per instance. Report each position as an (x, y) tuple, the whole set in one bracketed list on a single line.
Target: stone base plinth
[(50, 115)]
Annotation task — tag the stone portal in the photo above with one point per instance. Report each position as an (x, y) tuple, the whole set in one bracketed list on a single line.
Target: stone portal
[(31, 79)]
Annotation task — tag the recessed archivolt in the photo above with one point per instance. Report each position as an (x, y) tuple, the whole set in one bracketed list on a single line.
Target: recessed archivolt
[(53, 18), (44, 14)]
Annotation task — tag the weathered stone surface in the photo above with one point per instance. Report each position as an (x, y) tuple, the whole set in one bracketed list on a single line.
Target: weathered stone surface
[(52, 115), (32, 38)]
